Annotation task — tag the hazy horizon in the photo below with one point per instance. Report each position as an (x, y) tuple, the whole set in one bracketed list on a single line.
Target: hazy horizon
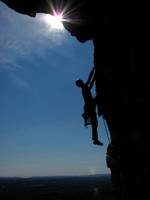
[(57, 176)]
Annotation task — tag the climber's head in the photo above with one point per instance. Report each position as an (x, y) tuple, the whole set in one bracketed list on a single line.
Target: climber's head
[(79, 83)]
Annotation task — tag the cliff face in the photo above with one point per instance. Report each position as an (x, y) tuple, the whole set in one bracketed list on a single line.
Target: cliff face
[(120, 37)]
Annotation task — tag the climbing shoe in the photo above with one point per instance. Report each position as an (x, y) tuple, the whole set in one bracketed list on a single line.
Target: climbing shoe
[(97, 142)]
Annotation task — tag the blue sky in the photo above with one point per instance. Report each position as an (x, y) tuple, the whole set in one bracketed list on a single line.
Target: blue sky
[(41, 128)]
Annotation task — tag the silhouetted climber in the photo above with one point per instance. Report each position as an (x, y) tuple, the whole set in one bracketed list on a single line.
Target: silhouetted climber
[(89, 115)]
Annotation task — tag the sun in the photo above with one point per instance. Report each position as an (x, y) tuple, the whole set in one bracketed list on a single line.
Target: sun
[(55, 21)]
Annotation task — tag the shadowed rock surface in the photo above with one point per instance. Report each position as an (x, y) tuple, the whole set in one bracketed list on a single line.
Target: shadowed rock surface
[(119, 32)]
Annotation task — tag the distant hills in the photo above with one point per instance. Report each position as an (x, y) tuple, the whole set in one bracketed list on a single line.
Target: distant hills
[(47, 177)]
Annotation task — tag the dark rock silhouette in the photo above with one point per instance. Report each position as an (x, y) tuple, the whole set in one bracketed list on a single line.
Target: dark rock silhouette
[(120, 36), (29, 7)]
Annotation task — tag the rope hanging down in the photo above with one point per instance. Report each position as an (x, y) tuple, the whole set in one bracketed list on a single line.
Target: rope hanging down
[(106, 130)]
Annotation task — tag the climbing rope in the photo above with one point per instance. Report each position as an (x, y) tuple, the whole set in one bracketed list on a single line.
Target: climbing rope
[(106, 129)]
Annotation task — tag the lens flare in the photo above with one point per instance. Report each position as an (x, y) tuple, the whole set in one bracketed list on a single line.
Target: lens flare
[(55, 21)]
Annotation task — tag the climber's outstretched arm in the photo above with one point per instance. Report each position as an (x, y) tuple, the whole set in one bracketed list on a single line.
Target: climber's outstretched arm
[(91, 79)]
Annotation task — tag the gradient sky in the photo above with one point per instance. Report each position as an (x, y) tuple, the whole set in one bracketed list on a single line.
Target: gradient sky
[(41, 128)]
